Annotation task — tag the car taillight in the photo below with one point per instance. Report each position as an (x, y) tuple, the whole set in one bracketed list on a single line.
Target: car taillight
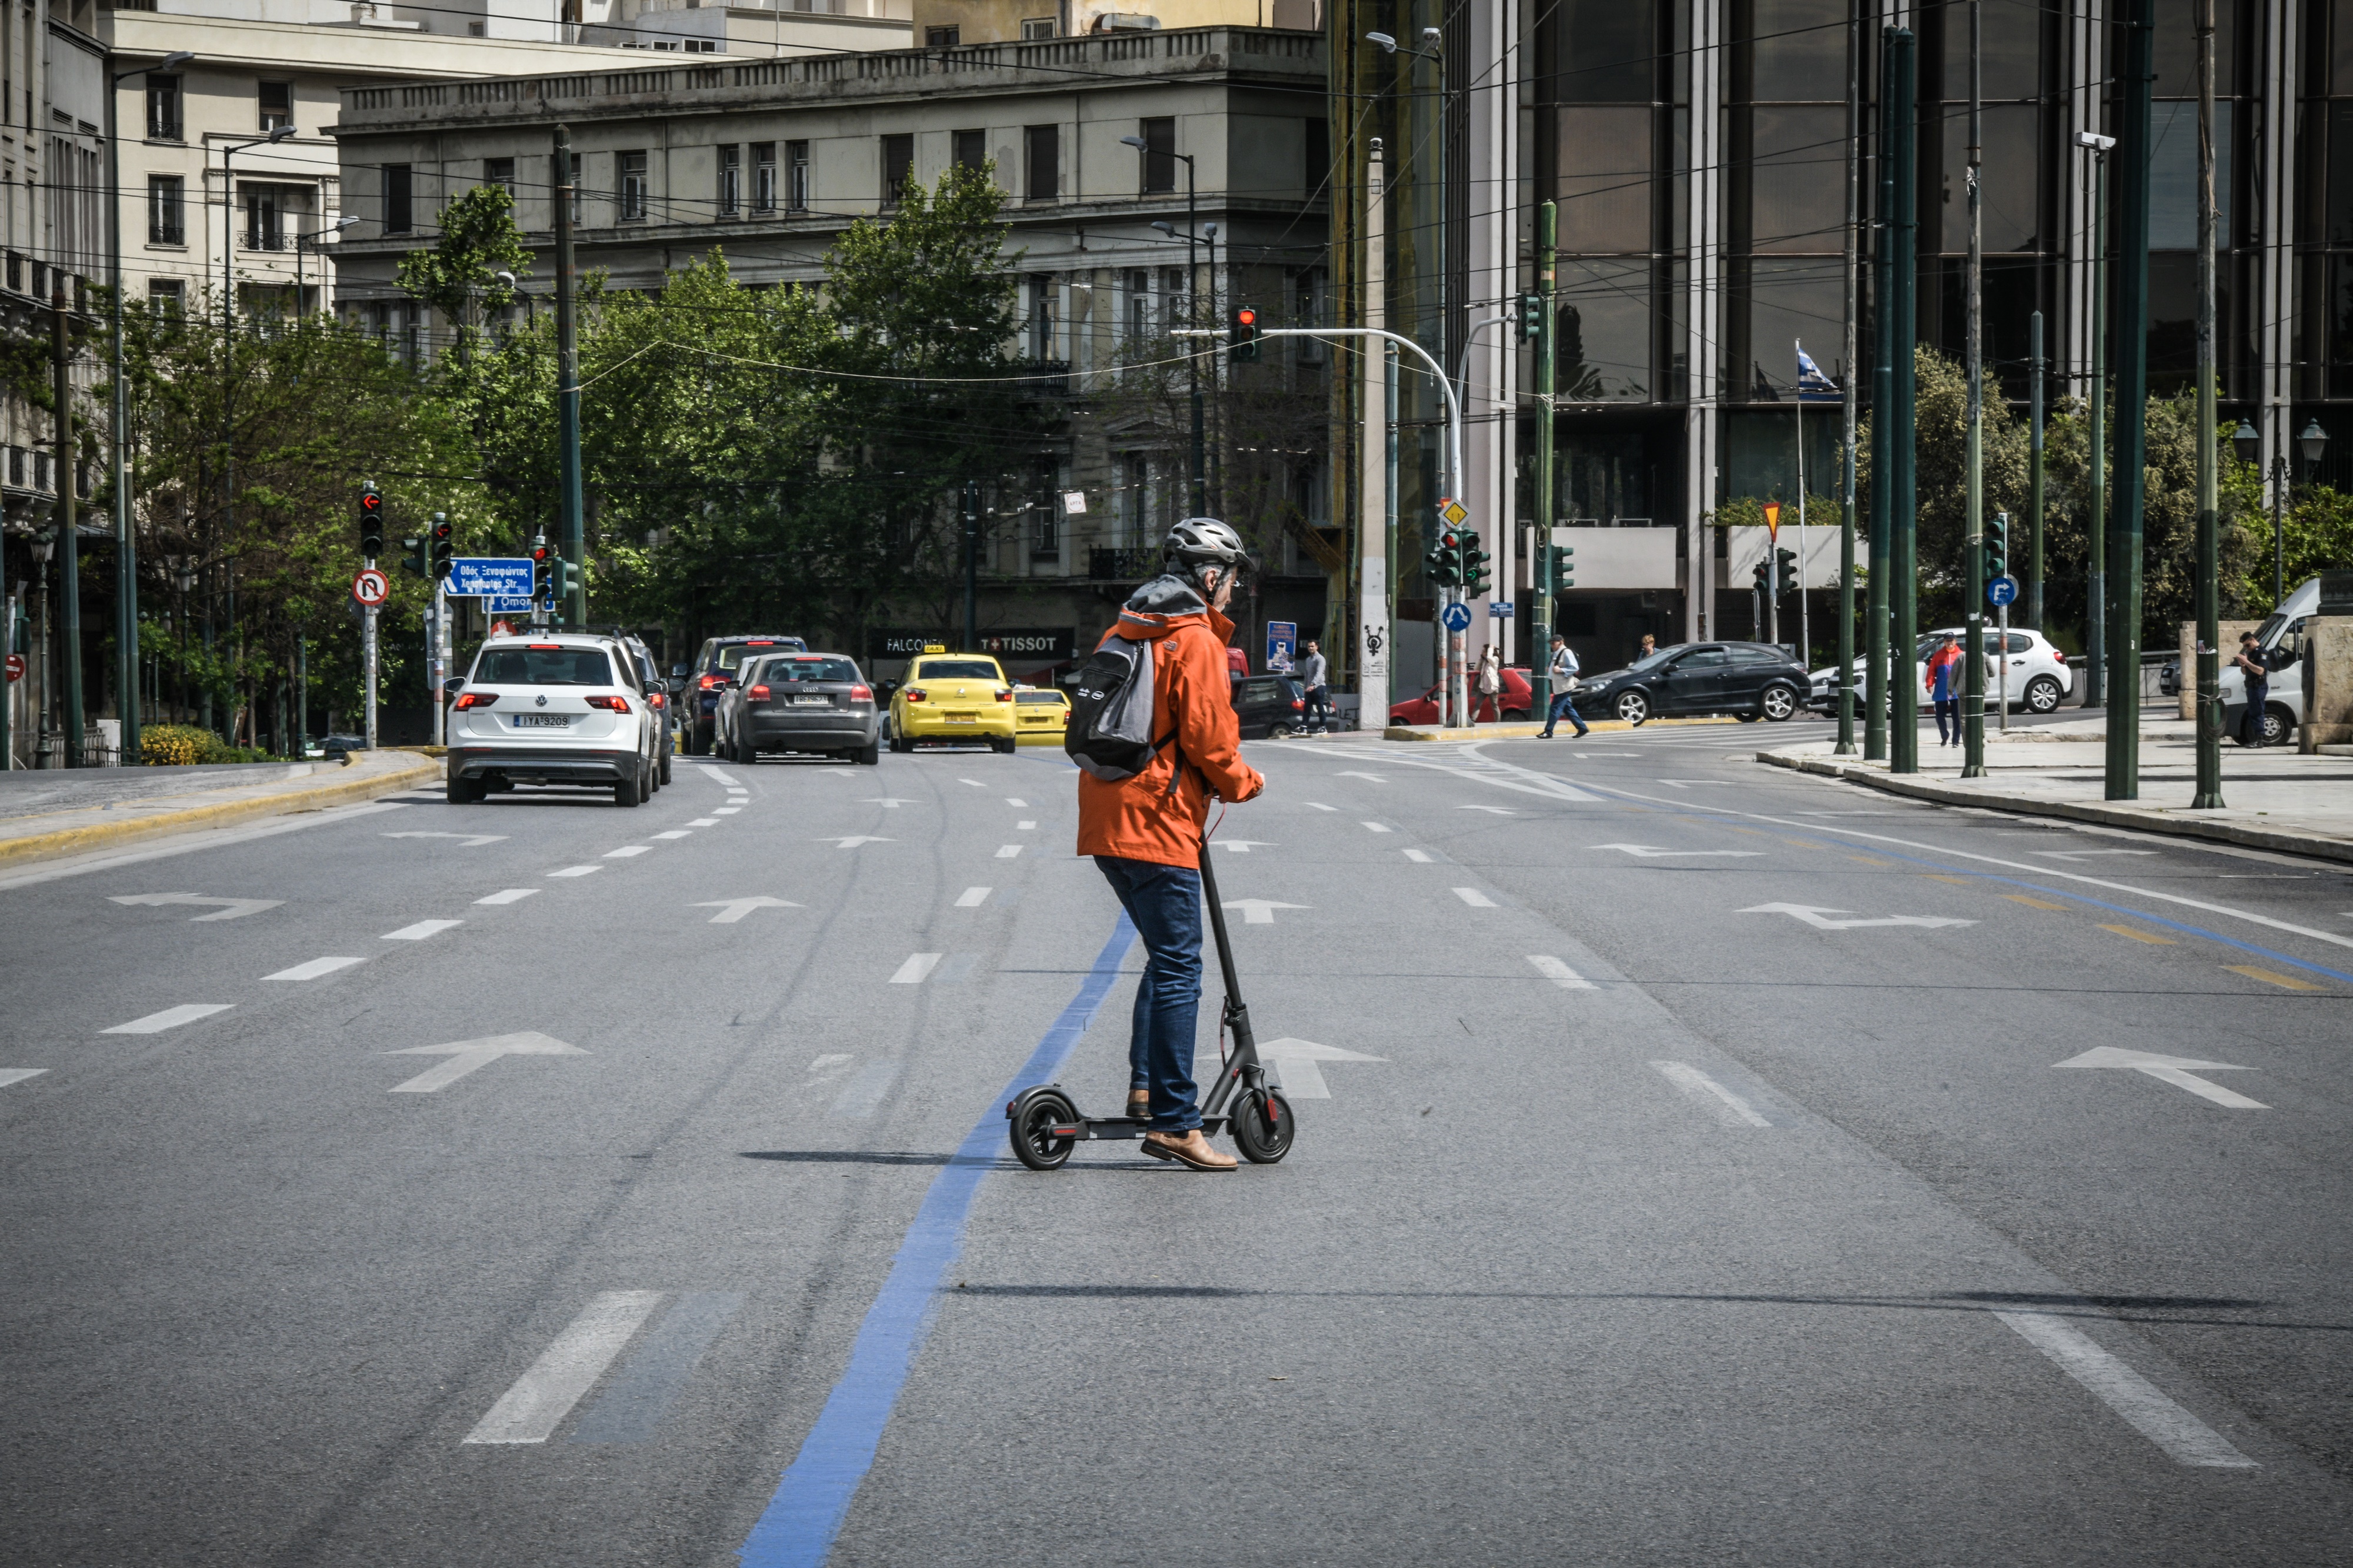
[(1005, 697), (2057, 655), (709, 681), (913, 694), (1299, 702), (547, 646), (861, 694), (757, 694), (610, 704), (476, 699), (655, 700)]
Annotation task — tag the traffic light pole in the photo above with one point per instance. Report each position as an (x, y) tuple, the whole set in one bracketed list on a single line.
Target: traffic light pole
[(1973, 541), (567, 387)]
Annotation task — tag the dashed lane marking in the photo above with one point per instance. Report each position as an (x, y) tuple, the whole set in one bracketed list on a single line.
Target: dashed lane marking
[(1016, 802), (420, 930), (1375, 828), (1560, 974), (676, 832), (1474, 898), (1319, 806), (1733, 1111), (713, 773), (2185, 1440), (972, 897), (2034, 904), (725, 810), (918, 965), (1418, 856), (314, 968), (577, 871), (641, 1394), (2150, 937), (705, 822), (18, 1075), (1024, 827), (170, 1018), (1007, 851), (1940, 876), (626, 850), (975, 783), (2269, 978), (508, 896), (531, 1411), (862, 1095)]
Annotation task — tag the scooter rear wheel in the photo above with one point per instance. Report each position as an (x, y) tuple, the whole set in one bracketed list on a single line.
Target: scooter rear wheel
[(1264, 1125), (1034, 1115)]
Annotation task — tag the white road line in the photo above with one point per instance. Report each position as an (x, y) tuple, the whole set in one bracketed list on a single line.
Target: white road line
[(972, 897), (863, 1093), (1560, 974), (170, 1018), (1009, 800), (676, 832), (705, 822), (542, 1398), (725, 810), (315, 968), (1007, 851), (714, 772), (508, 896), (18, 1075), (828, 1062), (577, 871), (1498, 810), (975, 783), (1735, 1110), (1418, 856), (918, 964), (1474, 898), (1025, 828), (420, 930), (1319, 806), (1374, 827), (626, 850), (2185, 1440), (1369, 778)]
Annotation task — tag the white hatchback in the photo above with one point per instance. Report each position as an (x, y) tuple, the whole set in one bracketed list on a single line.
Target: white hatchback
[(561, 708), (2039, 677)]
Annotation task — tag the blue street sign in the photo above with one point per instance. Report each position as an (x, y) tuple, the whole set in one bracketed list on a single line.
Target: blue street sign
[(1457, 617), (487, 576), (2002, 591), (1501, 610), (499, 604)]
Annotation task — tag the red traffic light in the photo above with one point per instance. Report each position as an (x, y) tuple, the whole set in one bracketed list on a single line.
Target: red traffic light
[(441, 531), (541, 552), (371, 502), (1246, 317)]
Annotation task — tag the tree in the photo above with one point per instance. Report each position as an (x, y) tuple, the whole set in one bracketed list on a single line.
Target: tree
[(460, 276)]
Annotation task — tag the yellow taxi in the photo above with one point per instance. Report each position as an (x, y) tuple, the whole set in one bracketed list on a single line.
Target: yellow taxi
[(1042, 715), (953, 697)]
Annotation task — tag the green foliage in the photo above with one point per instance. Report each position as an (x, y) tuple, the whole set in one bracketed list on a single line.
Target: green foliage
[(460, 276), (2316, 536), (188, 745)]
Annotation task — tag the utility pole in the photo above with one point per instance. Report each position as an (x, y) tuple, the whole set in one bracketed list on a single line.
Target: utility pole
[(2096, 594), (572, 545), (69, 526), (1540, 587), (972, 566), (1883, 405), (1845, 747), (2035, 473), (2132, 405), (1376, 531), (2207, 589), (1903, 518), (1973, 543)]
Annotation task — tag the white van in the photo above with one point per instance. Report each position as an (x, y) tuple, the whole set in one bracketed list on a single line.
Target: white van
[(2281, 636)]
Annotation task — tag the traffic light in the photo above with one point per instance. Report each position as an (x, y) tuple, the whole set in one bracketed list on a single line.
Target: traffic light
[(442, 548), (1563, 569), (412, 555), (543, 570), (568, 579), (1444, 562), (1996, 546), (1785, 571), (371, 519), (1475, 575), (1241, 334), (1528, 325), (1762, 575)]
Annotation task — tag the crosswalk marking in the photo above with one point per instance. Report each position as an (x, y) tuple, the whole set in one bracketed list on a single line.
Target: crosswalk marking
[(170, 1018), (531, 1410)]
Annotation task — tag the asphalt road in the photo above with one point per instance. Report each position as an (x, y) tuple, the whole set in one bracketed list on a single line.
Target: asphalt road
[(1695, 1177)]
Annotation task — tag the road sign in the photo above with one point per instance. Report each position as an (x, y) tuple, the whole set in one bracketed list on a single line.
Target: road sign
[(1502, 609), (1282, 643), (487, 576), (501, 604), (500, 629), (1457, 617), (1455, 513), (1773, 520), (2002, 591), (16, 667), (371, 587)]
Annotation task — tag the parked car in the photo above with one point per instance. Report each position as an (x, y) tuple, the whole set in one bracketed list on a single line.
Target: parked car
[(1269, 705), (1744, 680), (560, 708), (2040, 677), (713, 670), (657, 694), (339, 747), (814, 702), (1517, 697), (2281, 638), (1039, 714), (953, 697), (2168, 677)]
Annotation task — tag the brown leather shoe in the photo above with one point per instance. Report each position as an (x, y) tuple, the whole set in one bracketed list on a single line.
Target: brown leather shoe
[(1139, 1104), (1187, 1148)]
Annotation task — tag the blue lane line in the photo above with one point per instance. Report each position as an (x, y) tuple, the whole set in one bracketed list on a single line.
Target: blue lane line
[(798, 1527)]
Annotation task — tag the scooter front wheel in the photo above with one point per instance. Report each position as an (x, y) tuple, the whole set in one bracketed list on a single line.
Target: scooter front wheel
[(1264, 1125), (1031, 1122)]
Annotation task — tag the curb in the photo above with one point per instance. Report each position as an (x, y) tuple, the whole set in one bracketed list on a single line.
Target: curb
[(100, 835), (2144, 819)]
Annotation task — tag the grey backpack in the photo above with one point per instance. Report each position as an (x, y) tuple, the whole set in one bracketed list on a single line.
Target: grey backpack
[(1109, 732)]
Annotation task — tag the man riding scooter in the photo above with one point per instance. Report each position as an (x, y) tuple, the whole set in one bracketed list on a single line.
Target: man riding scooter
[(1145, 830)]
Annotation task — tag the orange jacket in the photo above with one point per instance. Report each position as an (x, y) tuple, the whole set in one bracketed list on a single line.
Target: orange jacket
[(1140, 818)]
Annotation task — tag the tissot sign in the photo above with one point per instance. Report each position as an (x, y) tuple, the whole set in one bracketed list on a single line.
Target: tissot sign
[(1041, 643)]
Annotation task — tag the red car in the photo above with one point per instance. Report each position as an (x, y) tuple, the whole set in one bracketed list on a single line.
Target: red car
[(1515, 700)]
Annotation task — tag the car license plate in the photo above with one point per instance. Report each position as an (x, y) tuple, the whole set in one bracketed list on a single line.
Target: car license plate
[(541, 721), (961, 718), (812, 702)]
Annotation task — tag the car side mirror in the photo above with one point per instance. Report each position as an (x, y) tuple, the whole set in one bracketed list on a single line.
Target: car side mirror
[(677, 672), (454, 685)]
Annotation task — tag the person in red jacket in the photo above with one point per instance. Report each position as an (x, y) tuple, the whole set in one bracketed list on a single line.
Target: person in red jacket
[(1943, 678), (1144, 831)]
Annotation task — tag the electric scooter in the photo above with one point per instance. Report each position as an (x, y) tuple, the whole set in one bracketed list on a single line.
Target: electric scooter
[(1045, 1124)]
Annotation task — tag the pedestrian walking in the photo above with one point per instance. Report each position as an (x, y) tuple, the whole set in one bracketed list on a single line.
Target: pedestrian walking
[(1145, 830), (1491, 685), (2257, 672), (1563, 669), (1942, 666), (1315, 679)]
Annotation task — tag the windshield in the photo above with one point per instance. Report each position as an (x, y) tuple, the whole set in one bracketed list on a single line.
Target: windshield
[(553, 666), (1052, 699), (958, 670), (806, 667), (2268, 632), (733, 654)]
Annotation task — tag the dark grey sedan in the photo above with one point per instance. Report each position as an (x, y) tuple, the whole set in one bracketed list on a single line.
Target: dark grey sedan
[(814, 702)]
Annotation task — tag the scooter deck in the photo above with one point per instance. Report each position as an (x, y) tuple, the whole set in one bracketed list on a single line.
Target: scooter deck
[(1098, 1128)]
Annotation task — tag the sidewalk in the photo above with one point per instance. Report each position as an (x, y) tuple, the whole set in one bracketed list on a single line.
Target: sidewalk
[(45, 815), (2274, 799)]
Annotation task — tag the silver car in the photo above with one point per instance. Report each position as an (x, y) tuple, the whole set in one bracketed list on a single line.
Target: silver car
[(563, 708), (817, 702)]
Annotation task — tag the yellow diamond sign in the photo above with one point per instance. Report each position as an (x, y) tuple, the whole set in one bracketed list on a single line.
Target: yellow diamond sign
[(1455, 513)]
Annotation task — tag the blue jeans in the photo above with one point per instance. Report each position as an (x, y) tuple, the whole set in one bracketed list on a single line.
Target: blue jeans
[(1564, 704), (1165, 903)]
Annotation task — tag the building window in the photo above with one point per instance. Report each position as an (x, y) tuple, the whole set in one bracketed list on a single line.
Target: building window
[(1041, 318), (943, 37), (16, 467), (167, 296), (799, 188), (500, 172), (277, 105), (1035, 27), (731, 181), (167, 210), (264, 219), (633, 187), (971, 149), (764, 176), (898, 163), (1045, 543), (162, 108), (397, 187), (40, 469), (1042, 145), (1318, 150), (1159, 155), (1139, 304)]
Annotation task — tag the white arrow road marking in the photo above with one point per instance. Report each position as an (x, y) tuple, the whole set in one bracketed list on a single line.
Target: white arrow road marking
[(1369, 778), (1011, 801), (918, 965), (705, 822), (542, 1398), (420, 930), (851, 841), (577, 871), (1374, 827), (1418, 856), (1560, 974), (2086, 853), (1820, 920), (231, 909), (18, 1075), (466, 1056), (1244, 845), (675, 833), (170, 1018), (1319, 806), (1007, 851), (1261, 912), (314, 968), (972, 897), (1474, 898), (1733, 1111), (2175, 1070), (469, 839), (1652, 852), (734, 910), (1498, 810), (1294, 1062), (2185, 1439), (626, 850), (888, 803)]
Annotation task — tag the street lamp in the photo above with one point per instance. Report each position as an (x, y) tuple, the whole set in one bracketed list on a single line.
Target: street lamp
[(313, 239), (2310, 444), (1192, 361), (2095, 610), (228, 215)]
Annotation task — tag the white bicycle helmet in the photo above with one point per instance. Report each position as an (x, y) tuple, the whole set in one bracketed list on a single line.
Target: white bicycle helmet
[(1200, 542)]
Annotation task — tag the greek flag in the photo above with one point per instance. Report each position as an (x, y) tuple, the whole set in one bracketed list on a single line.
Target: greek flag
[(1814, 386)]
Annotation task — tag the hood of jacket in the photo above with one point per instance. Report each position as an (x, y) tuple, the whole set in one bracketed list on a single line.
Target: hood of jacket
[(1164, 604)]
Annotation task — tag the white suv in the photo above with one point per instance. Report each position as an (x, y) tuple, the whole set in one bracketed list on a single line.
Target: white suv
[(2040, 677), (561, 708)]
